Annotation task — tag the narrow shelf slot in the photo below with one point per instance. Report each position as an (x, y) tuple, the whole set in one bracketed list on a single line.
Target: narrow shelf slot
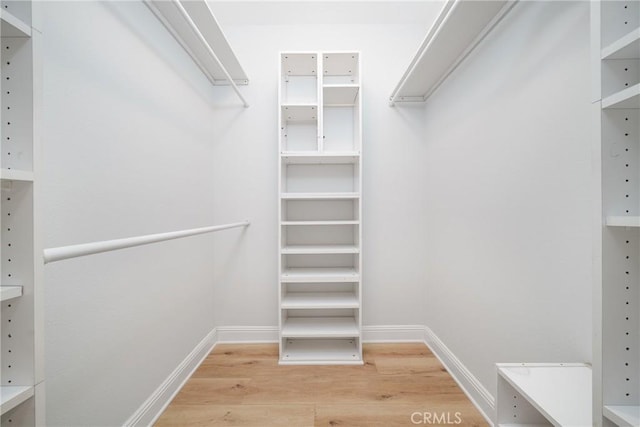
[(320, 249), (319, 196), (627, 47), (623, 415), (12, 396), (294, 223), (560, 392), (320, 351), (319, 300), (336, 157), (627, 98), (623, 221), (320, 327), (13, 26), (340, 95), (10, 292), (320, 275), (16, 175)]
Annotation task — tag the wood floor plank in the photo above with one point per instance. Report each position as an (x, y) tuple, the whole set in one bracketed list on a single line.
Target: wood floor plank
[(243, 385)]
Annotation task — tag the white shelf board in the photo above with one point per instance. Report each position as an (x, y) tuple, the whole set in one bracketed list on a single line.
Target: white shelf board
[(300, 64), (340, 95), (317, 157), (320, 249), (626, 47), (319, 300), (627, 98), (560, 392), (320, 275), (300, 112), (623, 221), (16, 175), (320, 327), (319, 196), (320, 351), (12, 26), (12, 396), (335, 222), (10, 292), (458, 29), (623, 415), (169, 14)]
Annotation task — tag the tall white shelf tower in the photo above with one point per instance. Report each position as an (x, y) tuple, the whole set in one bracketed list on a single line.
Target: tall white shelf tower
[(320, 208), (21, 292)]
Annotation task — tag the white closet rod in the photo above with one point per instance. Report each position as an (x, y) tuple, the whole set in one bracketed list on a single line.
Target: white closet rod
[(197, 32), (74, 251)]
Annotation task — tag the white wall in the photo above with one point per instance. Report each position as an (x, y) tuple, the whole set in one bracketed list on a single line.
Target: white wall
[(128, 145), (246, 164), (508, 195)]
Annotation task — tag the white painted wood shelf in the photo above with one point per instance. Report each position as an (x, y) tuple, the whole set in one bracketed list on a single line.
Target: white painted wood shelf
[(320, 249), (12, 26), (627, 98), (623, 221), (320, 327), (12, 396), (324, 157), (319, 196), (458, 29), (340, 95), (320, 223), (626, 47), (319, 300), (547, 393), (320, 275), (10, 292), (320, 351), (16, 175), (623, 415)]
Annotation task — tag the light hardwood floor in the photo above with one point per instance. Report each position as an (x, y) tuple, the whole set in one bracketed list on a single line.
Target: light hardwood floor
[(243, 385)]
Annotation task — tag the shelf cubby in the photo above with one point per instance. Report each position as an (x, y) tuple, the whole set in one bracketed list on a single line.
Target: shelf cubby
[(302, 351)]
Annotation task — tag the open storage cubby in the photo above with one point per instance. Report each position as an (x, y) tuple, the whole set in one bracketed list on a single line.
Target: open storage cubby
[(21, 359), (616, 51), (320, 176)]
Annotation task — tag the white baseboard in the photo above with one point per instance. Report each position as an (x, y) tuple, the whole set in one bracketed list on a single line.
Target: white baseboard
[(393, 333), (475, 391), (153, 407)]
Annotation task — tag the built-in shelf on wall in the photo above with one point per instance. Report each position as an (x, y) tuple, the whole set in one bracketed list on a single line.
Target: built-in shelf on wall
[(558, 393), (12, 396), (323, 351), (16, 175), (458, 29), (340, 95), (320, 327), (10, 292), (315, 157), (623, 415), (627, 98), (320, 275), (319, 196), (623, 221), (334, 222), (320, 249), (319, 300), (13, 26), (627, 47)]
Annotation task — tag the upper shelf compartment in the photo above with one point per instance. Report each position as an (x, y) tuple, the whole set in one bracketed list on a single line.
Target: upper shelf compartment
[(299, 74), (340, 68), (193, 25), (458, 29)]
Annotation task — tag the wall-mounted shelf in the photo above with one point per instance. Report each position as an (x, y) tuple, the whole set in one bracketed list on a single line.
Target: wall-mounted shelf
[(319, 300), (320, 249), (623, 415), (544, 394), (325, 157), (623, 221), (16, 175), (320, 327), (333, 222), (12, 26), (12, 396), (10, 292), (320, 275), (626, 47), (319, 196), (627, 98), (458, 29)]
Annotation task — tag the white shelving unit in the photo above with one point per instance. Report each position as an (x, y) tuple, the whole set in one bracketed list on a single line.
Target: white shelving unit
[(545, 394), (320, 211), (21, 290), (460, 26), (616, 88)]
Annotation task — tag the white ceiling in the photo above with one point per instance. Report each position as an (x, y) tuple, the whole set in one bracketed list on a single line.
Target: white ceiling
[(287, 12)]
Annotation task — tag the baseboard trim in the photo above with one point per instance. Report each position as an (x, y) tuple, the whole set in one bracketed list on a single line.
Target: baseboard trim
[(475, 391), (393, 333), (152, 408)]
